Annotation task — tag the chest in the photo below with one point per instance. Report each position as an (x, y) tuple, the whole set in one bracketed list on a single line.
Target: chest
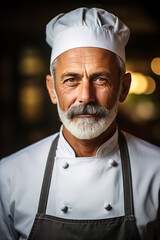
[(87, 187)]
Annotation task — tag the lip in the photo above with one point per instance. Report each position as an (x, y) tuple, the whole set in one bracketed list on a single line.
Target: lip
[(86, 116)]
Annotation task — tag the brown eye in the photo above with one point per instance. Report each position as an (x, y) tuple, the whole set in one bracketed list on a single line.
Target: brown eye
[(100, 81), (71, 82)]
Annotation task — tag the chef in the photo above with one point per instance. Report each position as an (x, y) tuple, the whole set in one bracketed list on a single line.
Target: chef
[(90, 181)]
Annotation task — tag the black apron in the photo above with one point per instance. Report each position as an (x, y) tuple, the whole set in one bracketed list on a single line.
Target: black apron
[(49, 227)]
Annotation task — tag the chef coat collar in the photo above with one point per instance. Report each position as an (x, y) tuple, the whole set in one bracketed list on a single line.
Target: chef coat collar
[(65, 150)]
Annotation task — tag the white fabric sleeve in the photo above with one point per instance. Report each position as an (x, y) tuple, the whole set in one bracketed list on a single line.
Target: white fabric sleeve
[(7, 231)]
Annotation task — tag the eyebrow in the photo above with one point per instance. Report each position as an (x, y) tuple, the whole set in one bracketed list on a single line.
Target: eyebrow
[(101, 73), (70, 74), (91, 76)]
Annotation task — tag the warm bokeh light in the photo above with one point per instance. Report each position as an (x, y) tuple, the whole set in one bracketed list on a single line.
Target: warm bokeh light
[(142, 84), (138, 84), (31, 62), (155, 65), (151, 85), (145, 110), (31, 98), (139, 108)]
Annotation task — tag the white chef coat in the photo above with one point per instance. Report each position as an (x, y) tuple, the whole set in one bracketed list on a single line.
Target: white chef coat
[(85, 185)]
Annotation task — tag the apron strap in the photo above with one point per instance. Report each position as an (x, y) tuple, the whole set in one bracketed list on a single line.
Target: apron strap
[(126, 172), (47, 177)]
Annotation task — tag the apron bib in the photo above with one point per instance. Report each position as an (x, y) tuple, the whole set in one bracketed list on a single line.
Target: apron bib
[(49, 227)]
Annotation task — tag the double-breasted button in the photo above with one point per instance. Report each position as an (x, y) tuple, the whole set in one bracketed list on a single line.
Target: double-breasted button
[(108, 206), (64, 208), (112, 163), (65, 165)]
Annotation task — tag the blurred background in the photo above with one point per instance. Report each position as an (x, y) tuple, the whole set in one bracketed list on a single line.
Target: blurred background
[(27, 115)]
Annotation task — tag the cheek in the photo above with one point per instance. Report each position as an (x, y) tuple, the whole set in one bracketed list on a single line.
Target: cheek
[(106, 97), (65, 98)]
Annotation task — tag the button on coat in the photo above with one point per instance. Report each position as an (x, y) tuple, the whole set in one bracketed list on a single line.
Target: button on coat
[(64, 208), (108, 206), (112, 163), (65, 165)]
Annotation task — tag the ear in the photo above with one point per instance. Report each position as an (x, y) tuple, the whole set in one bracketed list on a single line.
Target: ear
[(49, 84), (126, 82)]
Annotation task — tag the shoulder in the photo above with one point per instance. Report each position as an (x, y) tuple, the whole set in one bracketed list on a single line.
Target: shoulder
[(144, 157), (27, 158), (142, 148), (145, 162)]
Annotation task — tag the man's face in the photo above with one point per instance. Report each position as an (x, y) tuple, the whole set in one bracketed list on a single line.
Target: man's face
[(86, 75), (87, 83)]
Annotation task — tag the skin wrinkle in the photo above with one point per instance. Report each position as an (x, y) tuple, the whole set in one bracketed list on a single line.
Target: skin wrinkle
[(120, 62)]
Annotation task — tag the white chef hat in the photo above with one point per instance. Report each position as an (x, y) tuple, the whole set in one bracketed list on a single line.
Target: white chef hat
[(85, 27)]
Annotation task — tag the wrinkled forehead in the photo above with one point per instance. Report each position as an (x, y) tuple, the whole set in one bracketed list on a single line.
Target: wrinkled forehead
[(87, 55)]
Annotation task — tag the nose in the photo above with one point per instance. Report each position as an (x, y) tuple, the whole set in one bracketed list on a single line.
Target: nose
[(86, 92)]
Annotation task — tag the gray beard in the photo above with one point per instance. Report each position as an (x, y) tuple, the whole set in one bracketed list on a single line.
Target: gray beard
[(86, 128)]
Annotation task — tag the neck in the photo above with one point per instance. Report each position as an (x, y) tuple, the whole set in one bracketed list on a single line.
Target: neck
[(88, 148)]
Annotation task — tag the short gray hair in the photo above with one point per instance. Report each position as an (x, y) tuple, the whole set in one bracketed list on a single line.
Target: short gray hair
[(121, 65)]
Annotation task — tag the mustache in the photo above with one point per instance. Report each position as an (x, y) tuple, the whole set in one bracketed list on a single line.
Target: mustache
[(87, 108)]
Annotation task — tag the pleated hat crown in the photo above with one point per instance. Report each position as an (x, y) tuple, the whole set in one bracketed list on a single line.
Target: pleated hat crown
[(85, 27)]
